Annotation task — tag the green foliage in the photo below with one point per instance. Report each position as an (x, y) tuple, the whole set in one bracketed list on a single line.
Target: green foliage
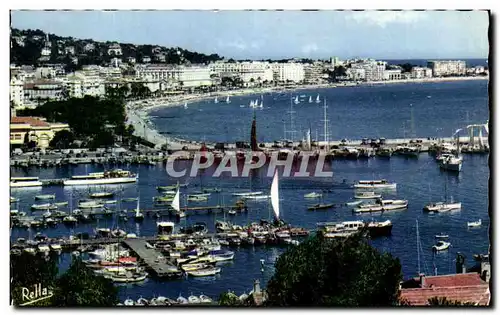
[(335, 272), (88, 117), (62, 139), (443, 301), (80, 286), (229, 299), (406, 67)]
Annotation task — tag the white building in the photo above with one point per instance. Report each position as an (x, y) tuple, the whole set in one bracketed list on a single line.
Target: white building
[(421, 73), (394, 74), (114, 50), (447, 67), (42, 90), (70, 50), (356, 74), (131, 60), (17, 92), (248, 72), (374, 70), (313, 73), (45, 51), (187, 77), (88, 47), (79, 86), (146, 59), (45, 72), (283, 72)]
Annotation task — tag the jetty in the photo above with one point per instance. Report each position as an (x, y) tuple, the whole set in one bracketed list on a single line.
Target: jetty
[(153, 259)]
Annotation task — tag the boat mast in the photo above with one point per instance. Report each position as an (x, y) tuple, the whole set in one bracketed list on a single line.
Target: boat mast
[(325, 127), (292, 125), (418, 249)]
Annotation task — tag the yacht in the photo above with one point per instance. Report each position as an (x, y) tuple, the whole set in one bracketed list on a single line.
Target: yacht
[(18, 182), (474, 224), (442, 206), (367, 195), (441, 245), (390, 204), (102, 178), (342, 229), (451, 163), (375, 184)]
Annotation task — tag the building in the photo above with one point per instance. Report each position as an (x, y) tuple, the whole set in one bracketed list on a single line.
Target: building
[(17, 93), (42, 90), (187, 77), (69, 50), (45, 73), (463, 287), (447, 67), (88, 47), (421, 73), (285, 72), (356, 74), (314, 73), (249, 72), (393, 74), (79, 86), (131, 60), (114, 50), (146, 59), (373, 70), (194, 76), (37, 129)]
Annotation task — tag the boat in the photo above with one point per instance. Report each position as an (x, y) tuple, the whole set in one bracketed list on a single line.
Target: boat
[(70, 220), (317, 99), (321, 206), (110, 202), (367, 195), (256, 197), (128, 302), (376, 229), (442, 206), (216, 100), (222, 226), (43, 249), (353, 203), (30, 250), (244, 194), (139, 216), (103, 194), (192, 299), (221, 255), (313, 195), (61, 203), (193, 267), (182, 300), (19, 182), (127, 277), (205, 299), (310, 99), (481, 257), (366, 208), (474, 224), (56, 247), (441, 245), (211, 271), (452, 162), (211, 190), (129, 199), (342, 229), (44, 206), (231, 212), (391, 204), (441, 235), (102, 178), (186, 105), (228, 100), (12, 199), (163, 188), (163, 198), (375, 184), (142, 301), (45, 197)]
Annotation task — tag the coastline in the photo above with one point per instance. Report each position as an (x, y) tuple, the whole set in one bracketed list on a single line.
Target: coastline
[(138, 115)]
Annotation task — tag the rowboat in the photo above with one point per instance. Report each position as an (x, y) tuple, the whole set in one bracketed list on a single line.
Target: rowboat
[(354, 203), (474, 224), (44, 206), (321, 206), (45, 197), (61, 203)]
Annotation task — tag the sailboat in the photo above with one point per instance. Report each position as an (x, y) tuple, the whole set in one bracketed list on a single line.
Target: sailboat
[(138, 215), (317, 99), (185, 105), (310, 99), (261, 102), (275, 196), (176, 205), (252, 104), (443, 206), (453, 162), (216, 100), (227, 100), (296, 100)]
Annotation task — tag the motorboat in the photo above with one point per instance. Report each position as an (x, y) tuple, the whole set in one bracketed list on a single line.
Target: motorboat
[(165, 227), (441, 245), (205, 299), (442, 235), (376, 229), (70, 220), (44, 249), (166, 188), (321, 206), (391, 204), (127, 277), (366, 208), (231, 212), (474, 224), (182, 300), (353, 203), (192, 299), (132, 199), (102, 178), (103, 194), (142, 301), (128, 302), (211, 271), (313, 195), (256, 197), (367, 195), (45, 197), (12, 199), (30, 250), (221, 255), (44, 206), (251, 193), (20, 182), (442, 206), (197, 198), (342, 229), (193, 267), (61, 203), (375, 184), (451, 163), (222, 226)]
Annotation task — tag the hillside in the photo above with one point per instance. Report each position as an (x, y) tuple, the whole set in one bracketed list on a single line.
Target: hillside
[(27, 46)]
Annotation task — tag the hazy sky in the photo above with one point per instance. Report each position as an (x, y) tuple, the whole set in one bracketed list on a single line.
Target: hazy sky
[(280, 34)]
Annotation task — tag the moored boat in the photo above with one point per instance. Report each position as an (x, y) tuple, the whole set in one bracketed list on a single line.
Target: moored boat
[(19, 182), (313, 195), (102, 178), (441, 245), (211, 271), (375, 184), (367, 195), (474, 224), (45, 197)]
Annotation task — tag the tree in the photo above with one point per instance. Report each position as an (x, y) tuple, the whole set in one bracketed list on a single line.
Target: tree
[(335, 272), (406, 67), (62, 139), (80, 286)]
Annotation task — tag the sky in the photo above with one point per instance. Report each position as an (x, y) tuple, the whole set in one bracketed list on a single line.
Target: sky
[(280, 34)]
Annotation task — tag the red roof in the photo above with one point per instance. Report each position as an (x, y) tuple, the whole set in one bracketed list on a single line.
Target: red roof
[(33, 121), (466, 287)]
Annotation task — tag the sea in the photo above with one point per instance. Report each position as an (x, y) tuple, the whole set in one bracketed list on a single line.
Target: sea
[(391, 111)]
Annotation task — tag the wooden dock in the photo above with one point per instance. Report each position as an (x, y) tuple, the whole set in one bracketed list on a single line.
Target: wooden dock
[(161, 267)]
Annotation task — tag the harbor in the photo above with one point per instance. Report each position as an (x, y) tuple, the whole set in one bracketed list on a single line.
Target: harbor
[(420, 181)]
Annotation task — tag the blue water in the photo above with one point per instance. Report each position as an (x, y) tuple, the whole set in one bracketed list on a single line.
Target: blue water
[(419, 180), (353, 112)]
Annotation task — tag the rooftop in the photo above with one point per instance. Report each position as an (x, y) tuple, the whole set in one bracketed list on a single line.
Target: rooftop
[(33, 121)]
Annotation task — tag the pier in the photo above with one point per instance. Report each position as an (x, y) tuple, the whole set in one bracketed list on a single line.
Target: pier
[(153, 260)]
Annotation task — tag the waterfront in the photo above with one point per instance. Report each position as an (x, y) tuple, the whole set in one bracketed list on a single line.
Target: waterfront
[(354, 112)]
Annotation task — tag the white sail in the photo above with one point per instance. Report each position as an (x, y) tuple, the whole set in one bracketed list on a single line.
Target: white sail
[(227, 100), (252, 104), (275, 198), (310, 99), (317, 99), (296, 100), (486, 127), (176, 203), (186, 105), (137, 209), (216, 101)]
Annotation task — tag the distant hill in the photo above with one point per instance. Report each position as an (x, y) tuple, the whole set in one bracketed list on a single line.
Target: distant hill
[(27, 45)]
